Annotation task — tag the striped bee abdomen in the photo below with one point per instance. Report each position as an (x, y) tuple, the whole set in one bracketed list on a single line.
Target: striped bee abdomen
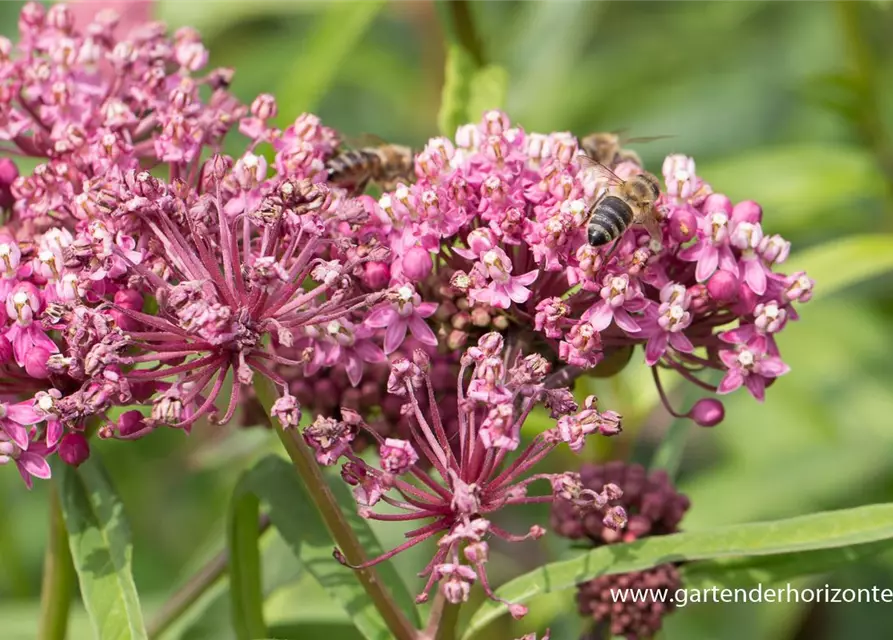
[(610, 218)]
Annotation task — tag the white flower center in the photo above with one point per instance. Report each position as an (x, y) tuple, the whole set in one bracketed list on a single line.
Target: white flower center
[(746, 358)]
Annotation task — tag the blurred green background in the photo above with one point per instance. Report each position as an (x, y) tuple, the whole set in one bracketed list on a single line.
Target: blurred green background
[(785, 103)]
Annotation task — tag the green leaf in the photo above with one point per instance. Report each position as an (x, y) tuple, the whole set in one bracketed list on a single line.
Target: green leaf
[(273, 482), (458, 75), (835, 265), (312, 71), (818, 531), (99, 537), (779, 568), (243, 537), (487, 91)]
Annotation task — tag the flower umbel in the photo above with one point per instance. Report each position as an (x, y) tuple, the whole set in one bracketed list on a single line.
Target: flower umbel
[(470, 479)]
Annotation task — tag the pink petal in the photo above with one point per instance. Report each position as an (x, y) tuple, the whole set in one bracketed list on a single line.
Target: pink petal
[(732, 380), (729, 358), (727, 260), (601, 316), (381, 317), (395, 335), (354, 369), (755, 276), (25, 475), (23, 413), (707, 263), (693, 253), (655, 348), (773, 367), (369, 351), (426, 309), (528, 278), (680, 342), (757, 387), (54, 432), (516, 292), (421, 331), (738, 336), (16, 432), (34, 465), (626, 321)]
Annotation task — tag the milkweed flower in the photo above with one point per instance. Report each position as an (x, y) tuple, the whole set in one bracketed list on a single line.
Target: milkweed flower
[(120, 288), (502, 214), (470, 480), (653, 508)]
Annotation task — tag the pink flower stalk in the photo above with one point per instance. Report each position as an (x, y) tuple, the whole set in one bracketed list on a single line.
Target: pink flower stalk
[(471, 479), (503, 214)]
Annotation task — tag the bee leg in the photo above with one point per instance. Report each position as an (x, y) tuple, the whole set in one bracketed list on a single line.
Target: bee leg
[(614, 246)]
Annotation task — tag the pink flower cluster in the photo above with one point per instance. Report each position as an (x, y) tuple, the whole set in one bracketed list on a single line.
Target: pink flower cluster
[(474, 477), (119, 288), (501, 214)]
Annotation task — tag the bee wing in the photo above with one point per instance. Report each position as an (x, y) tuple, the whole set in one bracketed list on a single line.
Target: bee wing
[(653, 227), (365, 140), (643, 139), (589, 164)]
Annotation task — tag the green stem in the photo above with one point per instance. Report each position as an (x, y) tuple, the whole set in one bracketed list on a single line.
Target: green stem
[(442, 621), (459, 25), (58, 575), (324, 501), (195, 588)]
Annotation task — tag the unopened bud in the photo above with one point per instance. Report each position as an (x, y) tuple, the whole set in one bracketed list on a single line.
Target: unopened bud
[(747, 211), (74, 449), (707, 412), (36, 363), (417, 264), (723, 286), (683, 225)]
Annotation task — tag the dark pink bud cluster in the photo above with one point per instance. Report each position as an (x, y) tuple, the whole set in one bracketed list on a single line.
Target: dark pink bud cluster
[(470, 480), (653, 507), (503, 214)]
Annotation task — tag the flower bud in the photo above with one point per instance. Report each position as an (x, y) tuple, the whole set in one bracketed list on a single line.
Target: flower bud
[(8, 174), (417, 264), (74, 449), (264, 107), (36, 363), (747, 300), (129, 299), (376, 275), (130, 422), (723, 286), (683, 224), (707, 412), (748, 211), (717, 202)]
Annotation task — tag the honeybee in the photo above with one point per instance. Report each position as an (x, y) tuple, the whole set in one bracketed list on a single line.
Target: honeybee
[(384, 164), (626, 203), (606, 147)]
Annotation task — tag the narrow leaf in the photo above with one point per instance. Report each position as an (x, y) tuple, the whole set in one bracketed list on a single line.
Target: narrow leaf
[(313, 69), (818, 531), (486, 91), (243, 537), (837, 264), (460, 69), (99, 537), (273, 482), (768, 570)]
